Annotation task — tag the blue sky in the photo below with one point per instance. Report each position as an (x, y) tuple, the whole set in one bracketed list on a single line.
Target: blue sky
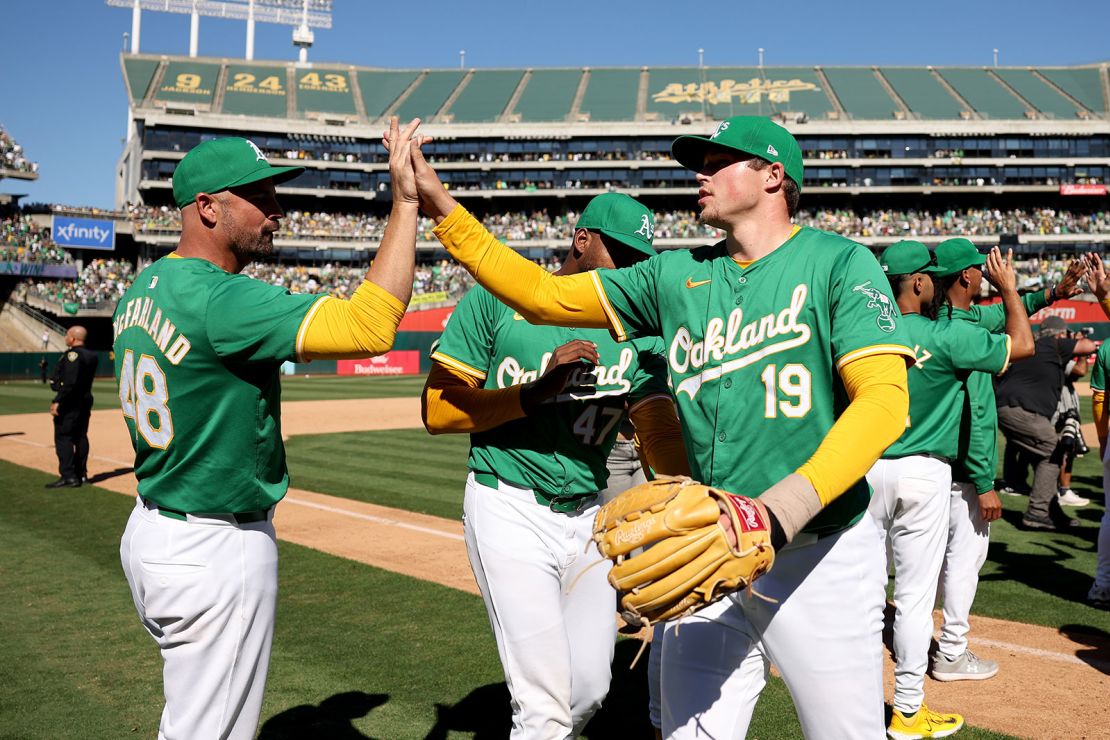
[(63, 98)]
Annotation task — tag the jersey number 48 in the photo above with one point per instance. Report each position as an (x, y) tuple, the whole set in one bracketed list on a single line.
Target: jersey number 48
[(143, 395)]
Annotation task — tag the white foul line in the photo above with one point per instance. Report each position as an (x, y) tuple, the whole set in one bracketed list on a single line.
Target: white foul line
[(372, 518), (12, 438), (1047, 654)]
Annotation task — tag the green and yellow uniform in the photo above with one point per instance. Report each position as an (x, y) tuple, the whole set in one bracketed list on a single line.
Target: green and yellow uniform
[(947, 355), (560, 450), (183, 328), (754, 352), (977, 459)]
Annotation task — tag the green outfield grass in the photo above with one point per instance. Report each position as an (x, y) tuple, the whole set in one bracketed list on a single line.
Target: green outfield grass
[(328, 387), (27, 397), (1034, 577), (358, 652)]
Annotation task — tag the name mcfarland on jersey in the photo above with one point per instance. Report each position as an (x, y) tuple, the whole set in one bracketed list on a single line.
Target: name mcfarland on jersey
[(142, 313)]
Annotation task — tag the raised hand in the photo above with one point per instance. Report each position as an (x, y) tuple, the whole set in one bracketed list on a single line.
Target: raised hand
[(1000, 271), (397, 143), (435, 201), (1068, 286), (1096, 276)]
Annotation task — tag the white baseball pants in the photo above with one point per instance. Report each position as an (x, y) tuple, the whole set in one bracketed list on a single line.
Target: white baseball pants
[(555, 631), (911, 507), (205, 590), (968, 537), (823, 632)]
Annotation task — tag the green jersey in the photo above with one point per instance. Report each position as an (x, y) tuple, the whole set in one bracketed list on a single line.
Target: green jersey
[(977, 459), (197, 354), (946, 354), (754, 352), (561, 449), (1098, 374)]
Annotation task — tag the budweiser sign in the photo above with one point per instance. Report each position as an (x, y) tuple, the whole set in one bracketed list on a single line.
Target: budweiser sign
[(1083, 190), (398, 362)]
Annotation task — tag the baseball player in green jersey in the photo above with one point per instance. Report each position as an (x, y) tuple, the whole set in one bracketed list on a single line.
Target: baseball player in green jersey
[(542, 405), (1099, 594), (788, 363), (975, 504), (198, 347), (913, 480)]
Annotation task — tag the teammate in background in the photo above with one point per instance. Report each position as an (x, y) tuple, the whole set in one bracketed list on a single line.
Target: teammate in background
[(72, 406), (1099, 595), (975, 504), (197, 351), (913, 480), (542, 405), (799, 325)]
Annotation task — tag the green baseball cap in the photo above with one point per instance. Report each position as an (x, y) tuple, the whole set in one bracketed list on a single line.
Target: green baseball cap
[(621, 217), (907, 257), (755, 135), (221, 164), (957, 254)]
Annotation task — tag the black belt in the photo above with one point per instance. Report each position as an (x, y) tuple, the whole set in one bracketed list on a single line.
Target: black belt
[(243, 517)]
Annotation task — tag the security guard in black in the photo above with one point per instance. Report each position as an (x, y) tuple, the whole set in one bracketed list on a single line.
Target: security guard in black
[(71, 408)]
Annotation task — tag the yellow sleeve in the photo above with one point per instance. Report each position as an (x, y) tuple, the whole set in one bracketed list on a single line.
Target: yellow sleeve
[(453, 402), (364, 326), (659, 435), (1104, 304), (1098, 410), (874, 419), (534, 293)]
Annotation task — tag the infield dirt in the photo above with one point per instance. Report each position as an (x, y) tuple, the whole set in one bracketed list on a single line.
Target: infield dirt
[(1049, 684)]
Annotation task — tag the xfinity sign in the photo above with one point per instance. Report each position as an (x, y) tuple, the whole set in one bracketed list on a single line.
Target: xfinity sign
[(84, 233)]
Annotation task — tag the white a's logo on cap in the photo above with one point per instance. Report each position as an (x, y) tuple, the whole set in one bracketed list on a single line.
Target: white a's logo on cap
[(772, 151), (645, 229), (720, 130), (258, 155)]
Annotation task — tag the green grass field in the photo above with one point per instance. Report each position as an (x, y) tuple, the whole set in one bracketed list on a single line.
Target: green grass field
[(27, 397), (358, 652)]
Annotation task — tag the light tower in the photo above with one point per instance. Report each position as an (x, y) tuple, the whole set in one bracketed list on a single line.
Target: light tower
[(303, 15)]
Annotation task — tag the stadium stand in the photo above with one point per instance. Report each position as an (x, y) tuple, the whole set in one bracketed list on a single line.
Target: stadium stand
[(254, 90), (187, 82), (986, 96), (548, 95), (430, 95), (1084, 85), (486, 95), (381, 88), (922, 93), (1045, 98), (860, 93), (13, 162), (325, 90), (611, 95)]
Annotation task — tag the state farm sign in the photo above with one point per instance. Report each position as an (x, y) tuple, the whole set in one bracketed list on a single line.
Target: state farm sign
[(398, 362)]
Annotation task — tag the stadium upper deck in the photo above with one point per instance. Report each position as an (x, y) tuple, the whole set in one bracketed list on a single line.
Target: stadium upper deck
[(847, 95), (523, 139)]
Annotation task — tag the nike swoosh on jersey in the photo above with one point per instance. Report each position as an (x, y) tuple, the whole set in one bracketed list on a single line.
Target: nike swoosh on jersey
[(692, 284)]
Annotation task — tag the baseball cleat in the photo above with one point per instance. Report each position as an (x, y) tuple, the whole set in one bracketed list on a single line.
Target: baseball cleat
[(1099, 596), (924, 723), (966, 667)]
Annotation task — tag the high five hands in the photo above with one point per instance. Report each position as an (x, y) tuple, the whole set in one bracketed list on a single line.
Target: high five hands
[(407, 156)]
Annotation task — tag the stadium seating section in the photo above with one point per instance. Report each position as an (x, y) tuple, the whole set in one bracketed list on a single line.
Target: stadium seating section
[(269, 89)]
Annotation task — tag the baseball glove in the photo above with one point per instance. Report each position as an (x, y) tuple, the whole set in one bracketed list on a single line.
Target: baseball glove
[(689, 562)]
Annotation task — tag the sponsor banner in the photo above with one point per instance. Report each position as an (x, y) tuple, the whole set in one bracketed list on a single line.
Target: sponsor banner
[(432, 320), (83, 233), (1074, 312), (37, 269), (1083, 190), (398, 362), (423, 298)]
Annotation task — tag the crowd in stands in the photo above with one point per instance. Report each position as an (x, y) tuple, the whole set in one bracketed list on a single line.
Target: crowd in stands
[(22, 241), (100, 284), (520, 226), (11, 155)]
